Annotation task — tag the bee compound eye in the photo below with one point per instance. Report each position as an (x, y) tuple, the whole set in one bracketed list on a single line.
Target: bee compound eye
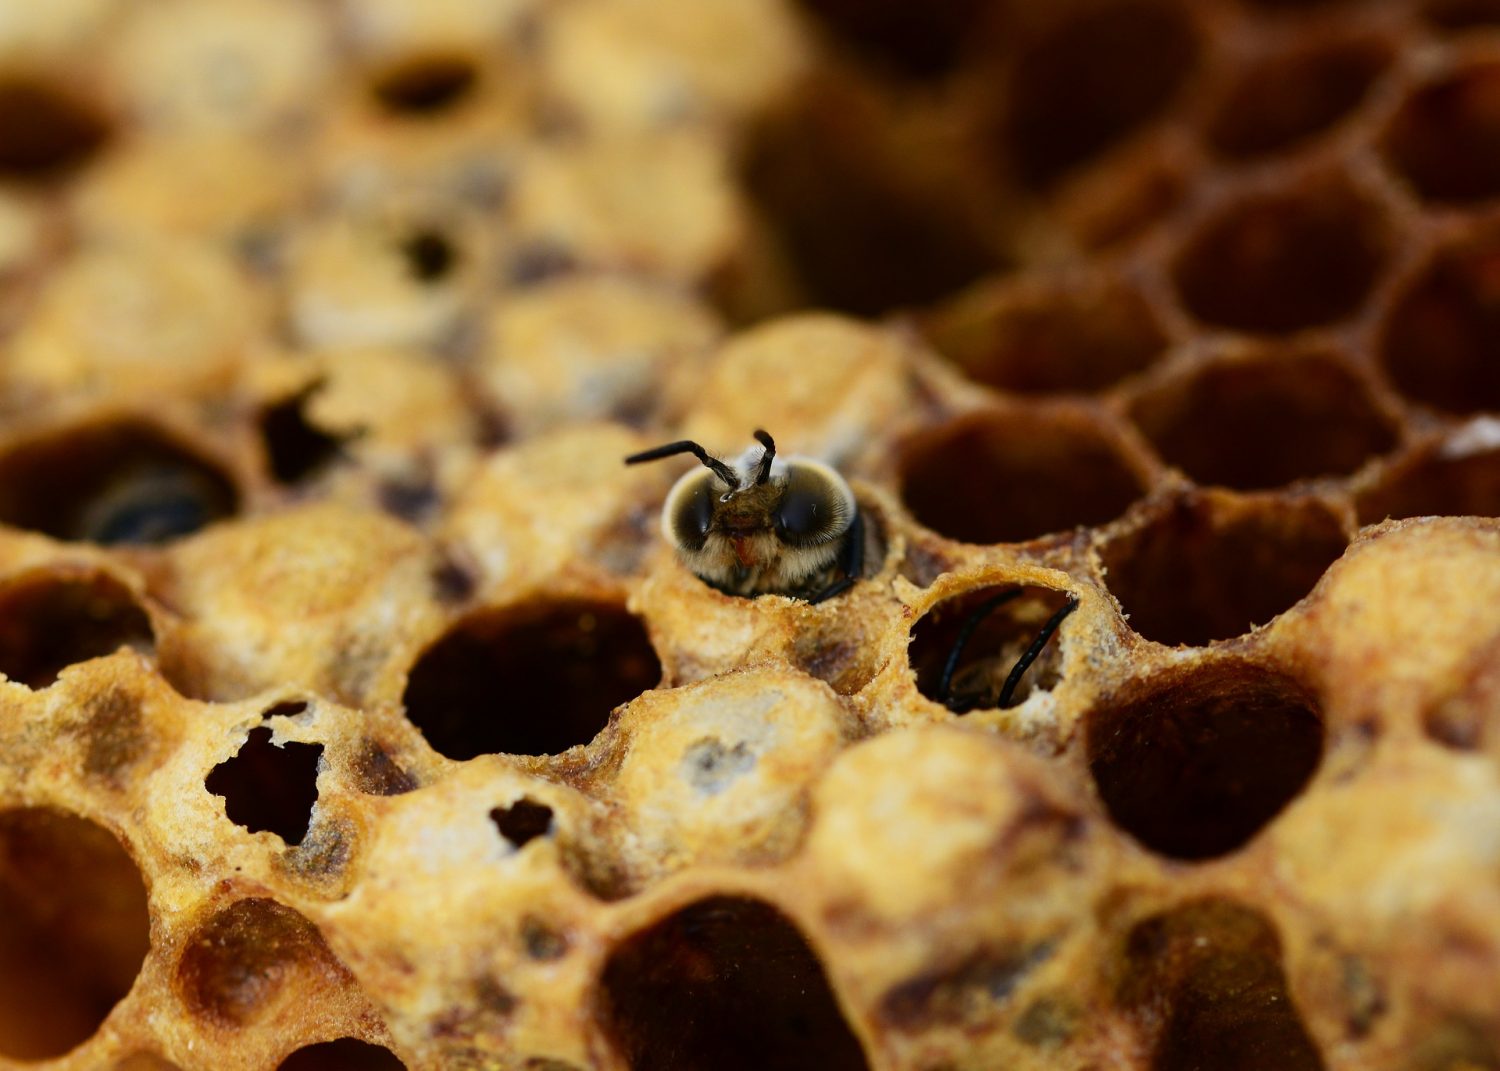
[(813, 508), (692, 512)]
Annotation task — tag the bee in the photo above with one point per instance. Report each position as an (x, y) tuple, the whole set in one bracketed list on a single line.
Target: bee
[(763, 525)]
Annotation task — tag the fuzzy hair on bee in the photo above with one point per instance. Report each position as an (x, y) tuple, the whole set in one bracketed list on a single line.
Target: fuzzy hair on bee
[(761, 524)]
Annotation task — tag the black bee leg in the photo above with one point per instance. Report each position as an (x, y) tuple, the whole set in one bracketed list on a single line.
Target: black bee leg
[(1024, 662), (965, 634), (851, 560)]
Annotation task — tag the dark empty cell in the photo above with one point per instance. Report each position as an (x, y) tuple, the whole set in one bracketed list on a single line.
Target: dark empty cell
[(1265, 422), (857, 237), (73, 930), (111, 483), (295, 447), (1206, 980), (1441, 343), (993, 641), (1064, 337), (429, 256), (1436, 484), (345, 1054), (1205, 569), (1446, 138), (727, 984), (1013, 476), (1283, 262), (1462, 14), (49, 622), (522, 821), (1282, 100), (530, 680), (426, 85), (1094, 78), (1195, 763), (46, 131), (269, 788), (920, 40)]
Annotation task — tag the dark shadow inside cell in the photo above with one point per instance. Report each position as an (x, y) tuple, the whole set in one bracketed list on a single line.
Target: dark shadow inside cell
[(1196, 763), (1462, 14), (725, 983), (267, 788), (342, 1054), (924, 40), (522, 821), (1265, 422), (1445, 140), (1015, 475), (430, 255), (988, 629), (534, 679), (425, 85), (46, 130), (74, 930), (116, 483), (49, 621), (1205, 569), (1436, 484), (1098, 75), (1206, 980), (296, 448)]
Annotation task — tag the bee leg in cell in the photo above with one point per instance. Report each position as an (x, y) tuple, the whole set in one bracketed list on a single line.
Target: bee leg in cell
[(965, 634), (1024, 662), (852, 561)]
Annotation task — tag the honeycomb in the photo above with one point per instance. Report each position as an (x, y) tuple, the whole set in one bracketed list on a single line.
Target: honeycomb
[(357, 715)]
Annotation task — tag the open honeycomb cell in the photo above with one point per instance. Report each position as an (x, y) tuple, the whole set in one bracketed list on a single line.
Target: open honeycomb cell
[(358, 712)]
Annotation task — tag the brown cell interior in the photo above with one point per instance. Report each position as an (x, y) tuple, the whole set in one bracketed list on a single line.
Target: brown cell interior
[(1461, 14), (1195, 765), (1206, 979), (1199, 572), (1265, 422), (993, 642), (522, 821), (1280, 262), (1097, 74), (1445, 141), (1434, 484), (46, 130), (425, 85), (535, 679), (51, 621), (342, 1054), (1441, 341), (914, 40), (1070, 337), (246, 955), (1010, 476), (727, 983), (1284, 99), (116, 483), (269, 788), (73, 930)]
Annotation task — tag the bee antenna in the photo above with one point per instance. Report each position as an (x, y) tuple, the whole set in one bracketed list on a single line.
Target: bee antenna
[(687, 446), (764, 472)]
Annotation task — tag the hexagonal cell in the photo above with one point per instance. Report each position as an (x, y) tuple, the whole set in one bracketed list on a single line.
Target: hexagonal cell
[(1450, 478), (1208, 567), (727, 983), (342, 1054), (858, 234), (1462, 14), (52, 620), (1441, 342), (1195, 763), (1006, 476), (117, 483), (250, 954), (47, 130), (1282, 260), (1049, 335), (1264, 420), (1445, 140), (73, 930), (966, 649), (534, 679), (1206, 981), (269, 788), (1091, 78), (1286, 98), (916, 40)]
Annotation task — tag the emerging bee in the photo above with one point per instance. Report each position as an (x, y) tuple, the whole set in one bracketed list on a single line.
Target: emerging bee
[(763, 525)]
